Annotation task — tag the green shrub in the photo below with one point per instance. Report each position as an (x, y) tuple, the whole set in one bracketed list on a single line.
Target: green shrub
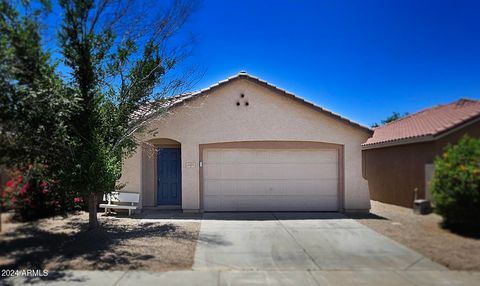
[(456, 184)]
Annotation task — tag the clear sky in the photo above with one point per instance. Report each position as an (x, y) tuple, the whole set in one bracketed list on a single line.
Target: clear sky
[(361, 59)]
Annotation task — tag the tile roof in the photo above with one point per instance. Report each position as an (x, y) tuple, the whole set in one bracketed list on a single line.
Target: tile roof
[(176, 100), (427, 123)]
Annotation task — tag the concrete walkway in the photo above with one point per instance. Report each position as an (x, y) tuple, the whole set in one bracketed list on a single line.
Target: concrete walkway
[(214, 278)]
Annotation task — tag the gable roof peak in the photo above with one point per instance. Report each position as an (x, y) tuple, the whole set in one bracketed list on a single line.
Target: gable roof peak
[(244, 75)]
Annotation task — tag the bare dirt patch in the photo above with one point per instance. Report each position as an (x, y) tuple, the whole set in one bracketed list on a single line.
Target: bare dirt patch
[(425, 235), (120, 244)]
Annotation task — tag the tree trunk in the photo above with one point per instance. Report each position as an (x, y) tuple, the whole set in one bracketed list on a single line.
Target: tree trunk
[(92, 211)]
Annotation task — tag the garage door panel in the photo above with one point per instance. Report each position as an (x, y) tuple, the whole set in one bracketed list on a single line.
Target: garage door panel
[(219, 187), (279, 203), (255, 187), (304, 203), (212, 171), (252, 187), (270, 171), (270, 180), (236, 156), (212, 156), (311, 187), (296, 171), (302, 156), (225, 156)]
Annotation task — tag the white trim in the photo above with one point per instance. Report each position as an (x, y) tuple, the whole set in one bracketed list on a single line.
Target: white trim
[(420, 139)]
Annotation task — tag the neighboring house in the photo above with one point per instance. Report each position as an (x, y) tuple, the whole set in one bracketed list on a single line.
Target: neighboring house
[(399, 157), (246, 145)]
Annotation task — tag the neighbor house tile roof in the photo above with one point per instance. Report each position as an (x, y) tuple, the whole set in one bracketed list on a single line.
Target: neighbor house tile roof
[(176, 100), (427, 123)]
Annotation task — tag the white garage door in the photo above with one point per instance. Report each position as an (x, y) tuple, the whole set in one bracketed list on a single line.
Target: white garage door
[(270, 180)]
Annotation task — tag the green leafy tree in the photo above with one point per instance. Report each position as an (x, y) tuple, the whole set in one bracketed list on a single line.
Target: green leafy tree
[(122, 69), (34, 102), (395, 116), (35, 105), (123, 65), (456, 184)]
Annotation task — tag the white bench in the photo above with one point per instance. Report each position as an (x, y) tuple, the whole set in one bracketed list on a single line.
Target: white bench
[(119, 197)]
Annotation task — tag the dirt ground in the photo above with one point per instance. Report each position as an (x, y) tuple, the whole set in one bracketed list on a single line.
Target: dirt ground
[(121, 244), (424, 234)]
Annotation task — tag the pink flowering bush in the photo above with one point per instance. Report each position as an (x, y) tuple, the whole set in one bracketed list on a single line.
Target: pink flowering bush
[(31, 196)]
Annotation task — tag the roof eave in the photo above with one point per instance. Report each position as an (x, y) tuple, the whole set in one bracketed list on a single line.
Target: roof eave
[(403, 141), (421, 139)]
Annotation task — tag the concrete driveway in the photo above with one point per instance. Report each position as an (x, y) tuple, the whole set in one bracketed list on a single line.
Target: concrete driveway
[(298, 241), (280, 249)]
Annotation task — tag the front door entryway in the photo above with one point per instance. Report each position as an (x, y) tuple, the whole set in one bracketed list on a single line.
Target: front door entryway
[(169, 176)]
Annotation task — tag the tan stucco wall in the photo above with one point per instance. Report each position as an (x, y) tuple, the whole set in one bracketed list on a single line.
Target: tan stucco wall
[(215, 117)]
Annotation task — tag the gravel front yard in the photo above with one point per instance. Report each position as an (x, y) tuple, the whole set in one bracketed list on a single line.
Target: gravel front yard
[(424, 234), (122, 243)]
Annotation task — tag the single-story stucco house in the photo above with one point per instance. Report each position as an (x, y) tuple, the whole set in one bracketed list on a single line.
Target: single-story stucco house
[(399, 157), (246, 145)]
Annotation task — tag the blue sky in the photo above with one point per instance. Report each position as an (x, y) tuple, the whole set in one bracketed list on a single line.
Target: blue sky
[(361, 59)]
